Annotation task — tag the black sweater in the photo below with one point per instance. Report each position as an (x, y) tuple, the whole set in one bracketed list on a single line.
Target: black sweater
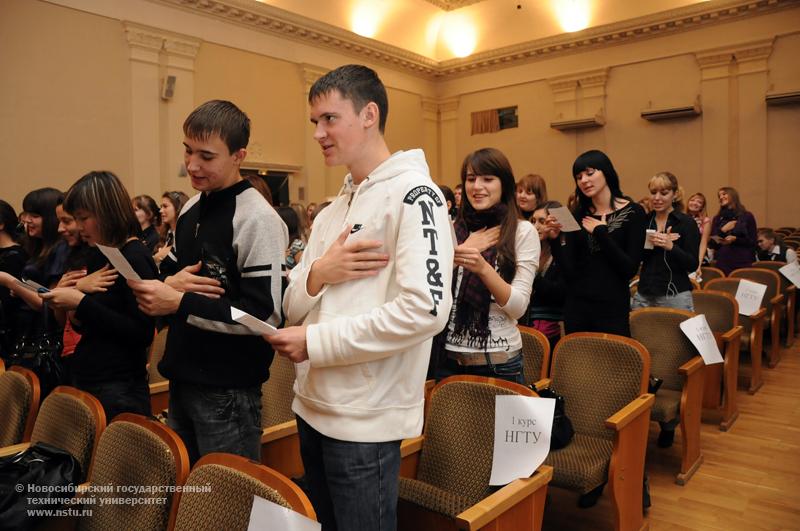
[(661, 267), (598, 267), (241, 241), (115, 335)]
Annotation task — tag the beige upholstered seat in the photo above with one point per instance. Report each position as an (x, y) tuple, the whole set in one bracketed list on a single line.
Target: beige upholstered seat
[(71, 420), (603, 379), (280, 444), (220, 490), (136, 451), (751, 344), (535, 354), (19, 403), (773, 302), (448, 486), (710, 273), (719, 387), (789, 292), (674, 359)]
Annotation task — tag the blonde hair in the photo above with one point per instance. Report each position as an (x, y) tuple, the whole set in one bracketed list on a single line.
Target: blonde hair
[(664, 180)]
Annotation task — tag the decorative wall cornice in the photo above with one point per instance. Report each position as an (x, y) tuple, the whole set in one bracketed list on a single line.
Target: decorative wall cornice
[(145, 43), (750, 56), (269, 19), (449, 5)]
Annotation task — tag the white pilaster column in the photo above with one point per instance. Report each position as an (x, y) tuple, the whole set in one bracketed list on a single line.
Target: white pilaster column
[(179, 55), (449, 161), (715, 88), (753, 140), (144, 46), (430, 136)]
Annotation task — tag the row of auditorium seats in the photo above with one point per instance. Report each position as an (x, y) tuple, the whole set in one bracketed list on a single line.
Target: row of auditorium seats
[(445, 471)]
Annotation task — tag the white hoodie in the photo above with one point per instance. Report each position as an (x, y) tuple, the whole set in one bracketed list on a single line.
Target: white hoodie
[(369, 340)]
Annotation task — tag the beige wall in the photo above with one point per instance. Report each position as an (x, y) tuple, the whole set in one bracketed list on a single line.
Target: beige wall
[(76, 96), (64, 98)]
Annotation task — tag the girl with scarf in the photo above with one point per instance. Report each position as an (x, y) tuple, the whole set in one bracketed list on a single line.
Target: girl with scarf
[(495, 261)]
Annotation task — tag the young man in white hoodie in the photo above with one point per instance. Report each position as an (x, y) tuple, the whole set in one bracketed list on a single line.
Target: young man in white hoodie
[(371, 290)]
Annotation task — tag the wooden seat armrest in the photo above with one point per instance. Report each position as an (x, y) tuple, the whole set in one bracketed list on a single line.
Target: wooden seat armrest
[(13, 449), (759, 315), (777, 299), (640, 405), (692, 366), (159, 387), (732, 334), (411, 446), (494, 505), (544, 383), (278, 431)]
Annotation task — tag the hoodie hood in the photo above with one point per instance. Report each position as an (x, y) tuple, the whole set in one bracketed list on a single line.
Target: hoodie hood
[(399, 162)]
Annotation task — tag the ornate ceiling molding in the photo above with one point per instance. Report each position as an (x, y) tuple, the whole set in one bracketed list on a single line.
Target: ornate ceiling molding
[(269, 19), (450, 5)]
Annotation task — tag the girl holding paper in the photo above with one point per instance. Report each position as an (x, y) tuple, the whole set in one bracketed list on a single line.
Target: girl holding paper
[(496, 260), (110, 358), (673, 250), (733, 232), (598, 261)]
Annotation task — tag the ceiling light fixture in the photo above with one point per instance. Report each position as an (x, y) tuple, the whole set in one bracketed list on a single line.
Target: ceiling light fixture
[(573, 15), (458, 32), (367, 16)]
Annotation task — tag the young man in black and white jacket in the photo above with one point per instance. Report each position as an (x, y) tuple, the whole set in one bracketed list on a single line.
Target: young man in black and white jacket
[(228, 252)]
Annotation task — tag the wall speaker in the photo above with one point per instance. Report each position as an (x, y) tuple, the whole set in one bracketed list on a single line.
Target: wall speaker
[(168, 88)]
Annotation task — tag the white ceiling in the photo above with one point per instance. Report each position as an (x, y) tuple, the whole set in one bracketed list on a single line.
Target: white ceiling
[(420, 26)]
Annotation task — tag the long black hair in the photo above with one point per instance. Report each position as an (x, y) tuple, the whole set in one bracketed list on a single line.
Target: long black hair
[(42, 202), (597, 160)]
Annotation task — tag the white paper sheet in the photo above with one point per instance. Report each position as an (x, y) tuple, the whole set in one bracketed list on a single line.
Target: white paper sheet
[(522, 428), (565, 217), (253, 323), (792, 272), (749, 296), (648, 243), (119, 262), (266, 515), (702, 337)]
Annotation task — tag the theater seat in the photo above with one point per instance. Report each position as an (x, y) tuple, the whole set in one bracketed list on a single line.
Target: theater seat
[(535, 354), (137, 451), (445, 473), (674, 359), (19, 403), (603, 379), (720, 381), (220, 489)]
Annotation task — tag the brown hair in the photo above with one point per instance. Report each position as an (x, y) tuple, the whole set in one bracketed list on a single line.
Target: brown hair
[(491, 161), (104, 195), (533, 183), (736, 205), (704, 211), (148, 204)]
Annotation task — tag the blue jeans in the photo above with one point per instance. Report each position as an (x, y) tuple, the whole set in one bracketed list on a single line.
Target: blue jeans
[(216, 419), (353, 486), (120, 396), (681, 301), (510, 370)]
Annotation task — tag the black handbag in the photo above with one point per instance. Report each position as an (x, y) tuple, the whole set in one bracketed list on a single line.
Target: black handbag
[(562, 427), (41, 353), (37, 479)]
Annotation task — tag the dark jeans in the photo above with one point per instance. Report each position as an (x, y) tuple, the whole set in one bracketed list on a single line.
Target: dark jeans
[(126, 396), (353, 486), (215, 419), (510, 370)]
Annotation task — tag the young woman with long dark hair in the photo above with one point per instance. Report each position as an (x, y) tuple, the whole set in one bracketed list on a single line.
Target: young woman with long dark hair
[(599, 260), (111, 356), (495, 269), (171, 206), (733, 232)]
